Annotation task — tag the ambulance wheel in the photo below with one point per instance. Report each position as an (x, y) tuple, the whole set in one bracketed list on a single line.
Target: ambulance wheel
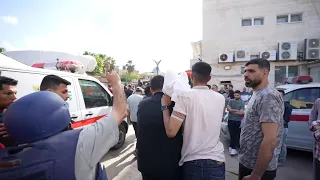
[(122, 137)]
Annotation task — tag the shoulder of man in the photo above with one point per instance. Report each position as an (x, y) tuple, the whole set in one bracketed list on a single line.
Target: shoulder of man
[(146, 101), (231, 101), (272, 97)]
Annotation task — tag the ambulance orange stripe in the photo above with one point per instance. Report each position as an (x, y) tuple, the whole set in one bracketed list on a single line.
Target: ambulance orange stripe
[(300, 118), (80, 123)]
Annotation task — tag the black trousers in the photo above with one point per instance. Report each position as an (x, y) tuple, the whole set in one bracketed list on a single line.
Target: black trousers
[(268, 175), (234, 131), (135, 127), (316, 169)]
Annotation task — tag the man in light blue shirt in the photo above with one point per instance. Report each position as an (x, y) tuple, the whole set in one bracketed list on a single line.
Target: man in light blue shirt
[(132, 104)]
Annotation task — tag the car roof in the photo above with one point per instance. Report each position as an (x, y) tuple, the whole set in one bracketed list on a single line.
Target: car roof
[(292, 87)]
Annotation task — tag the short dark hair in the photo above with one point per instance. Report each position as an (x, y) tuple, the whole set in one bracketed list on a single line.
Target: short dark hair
[(139, 89), (237, 91), (52, 82), (201, 71), (147, 90), (209, 86), (262, 63), (157, 82), (7, 81)]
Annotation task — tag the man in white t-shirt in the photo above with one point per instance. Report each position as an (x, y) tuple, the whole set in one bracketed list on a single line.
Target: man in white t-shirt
[(200, 109)]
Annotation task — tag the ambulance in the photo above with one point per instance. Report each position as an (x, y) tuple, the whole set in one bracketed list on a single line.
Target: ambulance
[(89, 99), (301, 92)]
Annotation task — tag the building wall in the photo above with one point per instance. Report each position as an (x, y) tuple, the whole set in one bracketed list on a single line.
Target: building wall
[(222, 31)]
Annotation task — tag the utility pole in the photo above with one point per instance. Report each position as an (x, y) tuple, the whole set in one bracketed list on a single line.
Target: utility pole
[(157, 63)]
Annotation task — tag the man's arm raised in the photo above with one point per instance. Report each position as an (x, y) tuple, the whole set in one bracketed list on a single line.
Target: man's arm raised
[(119, 98)]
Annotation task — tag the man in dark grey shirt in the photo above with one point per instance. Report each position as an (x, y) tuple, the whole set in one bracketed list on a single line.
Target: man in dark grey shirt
[(236, 110), (261, 133)]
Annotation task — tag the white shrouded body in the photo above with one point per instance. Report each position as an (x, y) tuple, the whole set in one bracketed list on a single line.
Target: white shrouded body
[(30, 57)]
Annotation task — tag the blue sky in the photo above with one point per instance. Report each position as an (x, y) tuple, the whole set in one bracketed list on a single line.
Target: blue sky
[(139, 30)]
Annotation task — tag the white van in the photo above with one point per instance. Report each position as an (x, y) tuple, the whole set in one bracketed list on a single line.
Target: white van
[(89, 99)]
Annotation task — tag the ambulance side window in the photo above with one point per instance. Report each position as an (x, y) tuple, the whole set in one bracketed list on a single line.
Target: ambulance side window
[(94, 95), (302, 98)]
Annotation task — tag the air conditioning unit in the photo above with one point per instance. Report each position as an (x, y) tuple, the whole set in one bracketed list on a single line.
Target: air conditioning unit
[(242, 55), (287, 51), (226, 57), (270, 55), (312, 48)]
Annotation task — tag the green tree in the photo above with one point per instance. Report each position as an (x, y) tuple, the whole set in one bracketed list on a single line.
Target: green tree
[(103, 61), (129, 66), (99, 68), (129, 77), (2, 50), (109, 63)]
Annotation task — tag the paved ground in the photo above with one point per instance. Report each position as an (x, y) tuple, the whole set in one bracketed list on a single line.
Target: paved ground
[(121, 164)]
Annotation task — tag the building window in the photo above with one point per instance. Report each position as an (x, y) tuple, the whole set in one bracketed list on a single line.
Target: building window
[(246, 22), (289, 18), (242, 70), (252, 22), (292, 71), (283, 19), (279, 74), (296, 17), (282, 72), (258, 21)]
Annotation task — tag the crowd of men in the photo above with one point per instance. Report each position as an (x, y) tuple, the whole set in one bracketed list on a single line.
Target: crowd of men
[(175, 139), (180, 140)]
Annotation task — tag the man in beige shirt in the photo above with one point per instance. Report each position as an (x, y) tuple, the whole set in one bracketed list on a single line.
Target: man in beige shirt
[(201, 111)]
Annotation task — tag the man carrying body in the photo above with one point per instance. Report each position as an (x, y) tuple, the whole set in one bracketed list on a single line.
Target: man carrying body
[(236, 110), (55, 84), (261, 132), (8, 92), (314, 121), (201, 111), (159, 155)]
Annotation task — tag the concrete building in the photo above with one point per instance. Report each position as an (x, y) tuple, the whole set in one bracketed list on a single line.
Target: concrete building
[(257, 26)]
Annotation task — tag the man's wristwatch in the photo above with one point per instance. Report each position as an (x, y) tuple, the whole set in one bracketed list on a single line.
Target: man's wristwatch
[(164, 107)]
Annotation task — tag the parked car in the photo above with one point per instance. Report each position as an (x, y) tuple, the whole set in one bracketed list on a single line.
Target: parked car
[(224, 133), (301, 98)]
